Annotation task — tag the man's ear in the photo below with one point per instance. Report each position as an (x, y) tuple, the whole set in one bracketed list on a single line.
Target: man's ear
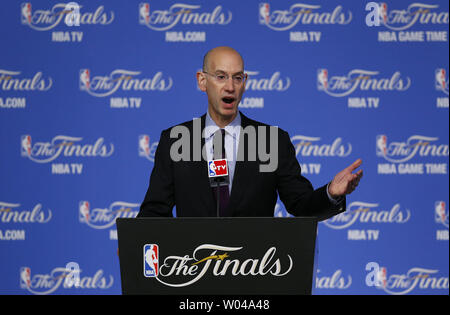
[(201, 81)]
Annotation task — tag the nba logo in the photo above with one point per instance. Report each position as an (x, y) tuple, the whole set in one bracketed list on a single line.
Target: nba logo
[(440, 212), (25, 145), (151, 254), (441, 82), (264, 13), (26, 13), (382, 11), (144, 145), (83, 211), (217, 168), (381, 145), (85, 79), (25, 277), (144, 13), (322, 79)]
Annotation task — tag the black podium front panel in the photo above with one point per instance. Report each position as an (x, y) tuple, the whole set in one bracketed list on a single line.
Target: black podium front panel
[(234, 256)]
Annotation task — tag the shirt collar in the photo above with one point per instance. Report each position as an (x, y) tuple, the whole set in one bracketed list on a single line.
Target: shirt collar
[(232, 128)]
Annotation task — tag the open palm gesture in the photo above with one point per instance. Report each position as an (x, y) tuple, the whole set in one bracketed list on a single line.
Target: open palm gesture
[(345, 182)]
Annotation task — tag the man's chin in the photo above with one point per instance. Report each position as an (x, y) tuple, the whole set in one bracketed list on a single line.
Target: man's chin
[(229, 112), (225, 111)]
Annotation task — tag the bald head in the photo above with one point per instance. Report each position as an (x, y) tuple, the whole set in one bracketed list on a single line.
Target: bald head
[(224, 95), (219, 52)]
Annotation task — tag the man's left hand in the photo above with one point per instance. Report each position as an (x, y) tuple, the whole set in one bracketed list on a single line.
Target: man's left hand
[(345, 182)]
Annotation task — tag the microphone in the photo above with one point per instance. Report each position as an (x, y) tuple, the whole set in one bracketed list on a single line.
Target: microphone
[(218, 176)]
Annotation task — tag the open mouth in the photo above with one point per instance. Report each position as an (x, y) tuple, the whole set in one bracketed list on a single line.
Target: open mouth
[(228, 100)]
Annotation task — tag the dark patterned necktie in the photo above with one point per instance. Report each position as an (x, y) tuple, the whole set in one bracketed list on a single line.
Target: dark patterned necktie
[(223, 190)]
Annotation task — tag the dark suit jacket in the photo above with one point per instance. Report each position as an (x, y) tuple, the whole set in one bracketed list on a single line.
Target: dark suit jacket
[(185, 184)]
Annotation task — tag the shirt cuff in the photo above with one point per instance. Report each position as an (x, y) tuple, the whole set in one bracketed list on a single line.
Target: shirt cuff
[(332, 200)]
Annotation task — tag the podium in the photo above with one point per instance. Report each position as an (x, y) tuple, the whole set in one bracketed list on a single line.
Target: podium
[(217, 256)]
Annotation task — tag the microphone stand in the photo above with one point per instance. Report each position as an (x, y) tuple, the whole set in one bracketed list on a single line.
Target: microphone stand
[(218, 197), (218, 181)]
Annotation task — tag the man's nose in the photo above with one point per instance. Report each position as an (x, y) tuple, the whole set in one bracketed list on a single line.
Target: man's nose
[(229, 85)]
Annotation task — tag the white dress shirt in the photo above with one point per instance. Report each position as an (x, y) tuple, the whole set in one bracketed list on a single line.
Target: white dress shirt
[(232, 132)]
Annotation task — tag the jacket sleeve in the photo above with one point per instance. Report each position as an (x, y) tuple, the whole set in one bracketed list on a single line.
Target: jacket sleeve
[(296, 192), (159, 199)]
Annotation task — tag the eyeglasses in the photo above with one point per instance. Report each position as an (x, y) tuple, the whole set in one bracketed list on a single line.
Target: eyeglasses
[(238, 79)]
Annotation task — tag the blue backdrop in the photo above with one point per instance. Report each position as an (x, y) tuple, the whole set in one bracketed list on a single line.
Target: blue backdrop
[(83, 99)]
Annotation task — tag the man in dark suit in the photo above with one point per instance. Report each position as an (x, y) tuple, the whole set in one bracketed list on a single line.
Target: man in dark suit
[(252, 189)]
